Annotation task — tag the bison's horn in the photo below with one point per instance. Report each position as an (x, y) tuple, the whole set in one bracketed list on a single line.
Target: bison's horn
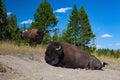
[(58, 48)]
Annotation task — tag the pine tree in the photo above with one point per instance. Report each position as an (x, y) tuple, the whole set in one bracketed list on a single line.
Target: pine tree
[(44, 17), (47, 38), (11, 28), (73, 25), (66, 36), (24, 27), (86, 34), (117, 54), (3, 21), (112, 53), (55, 37), (79, 31)]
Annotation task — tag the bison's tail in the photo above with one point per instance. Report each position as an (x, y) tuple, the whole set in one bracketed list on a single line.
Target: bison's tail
[(104, 63)]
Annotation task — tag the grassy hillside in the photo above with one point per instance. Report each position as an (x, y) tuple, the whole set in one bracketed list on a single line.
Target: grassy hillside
[(8, 47), (105, 58)]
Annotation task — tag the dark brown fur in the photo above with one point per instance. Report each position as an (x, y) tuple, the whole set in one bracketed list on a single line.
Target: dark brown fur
[(34, 35), (71, 56)]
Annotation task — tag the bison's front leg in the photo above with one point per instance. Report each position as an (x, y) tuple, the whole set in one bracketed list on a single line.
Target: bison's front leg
[(33, 43)]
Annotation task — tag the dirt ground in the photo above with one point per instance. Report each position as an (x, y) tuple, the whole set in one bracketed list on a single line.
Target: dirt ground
[(21, 67)]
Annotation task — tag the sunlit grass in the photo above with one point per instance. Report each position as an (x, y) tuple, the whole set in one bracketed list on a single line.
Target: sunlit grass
[(8, 47), (103, 57)]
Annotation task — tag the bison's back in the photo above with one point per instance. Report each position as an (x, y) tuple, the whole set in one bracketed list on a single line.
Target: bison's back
[(32, 33), (74, 50), (74, 56)]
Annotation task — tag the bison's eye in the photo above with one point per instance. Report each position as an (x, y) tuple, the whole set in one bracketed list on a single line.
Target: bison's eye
[(49, 55)]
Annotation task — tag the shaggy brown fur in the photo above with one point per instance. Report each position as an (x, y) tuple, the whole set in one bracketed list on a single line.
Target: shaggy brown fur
[(70, 56), (34, 35)]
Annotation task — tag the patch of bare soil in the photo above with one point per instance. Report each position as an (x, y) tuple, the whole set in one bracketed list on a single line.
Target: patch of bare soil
[(21, 67)]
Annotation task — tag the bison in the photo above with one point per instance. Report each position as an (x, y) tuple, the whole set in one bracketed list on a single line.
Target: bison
[(70, 56), (34, 35)]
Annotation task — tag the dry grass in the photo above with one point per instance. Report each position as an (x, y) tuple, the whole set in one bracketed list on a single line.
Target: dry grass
[(110, 59), (8, 47)]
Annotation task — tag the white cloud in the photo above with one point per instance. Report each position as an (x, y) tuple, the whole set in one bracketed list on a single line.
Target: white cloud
[(8, 13), (106, 36), (63, 10), (27, 22), (118, 44)]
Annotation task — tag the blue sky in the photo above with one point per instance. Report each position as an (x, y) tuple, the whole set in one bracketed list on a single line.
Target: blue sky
[(104, 16)]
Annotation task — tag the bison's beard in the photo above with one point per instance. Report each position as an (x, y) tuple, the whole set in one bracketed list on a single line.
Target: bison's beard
[(52, 60)]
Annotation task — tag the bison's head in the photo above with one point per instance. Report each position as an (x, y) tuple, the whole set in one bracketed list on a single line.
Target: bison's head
[(54, 53)]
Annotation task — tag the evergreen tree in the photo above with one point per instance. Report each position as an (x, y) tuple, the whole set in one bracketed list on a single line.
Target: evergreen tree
[(73, 25), (24, 27), (11, 28), (112, 53), (3, 21), (66, 36), (55, 37), (47, 38), (86, 34), (117, 54), (44, 17), (79, 31)]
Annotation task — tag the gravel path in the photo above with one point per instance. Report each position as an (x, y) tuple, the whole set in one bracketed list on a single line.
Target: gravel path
[(25, 69)]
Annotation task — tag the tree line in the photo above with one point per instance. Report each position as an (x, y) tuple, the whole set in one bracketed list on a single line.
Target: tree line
[(78, 31), (9, 29), (109, 53)]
